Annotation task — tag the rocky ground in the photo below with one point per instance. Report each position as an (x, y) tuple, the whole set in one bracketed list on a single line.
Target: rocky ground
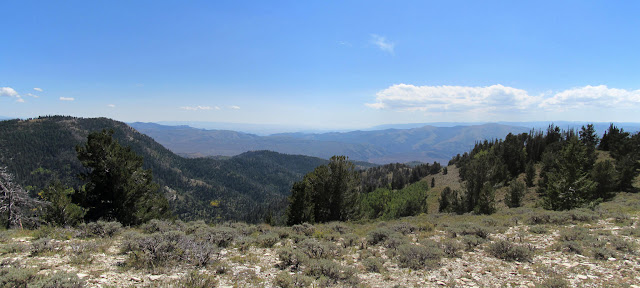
[(582, 248)]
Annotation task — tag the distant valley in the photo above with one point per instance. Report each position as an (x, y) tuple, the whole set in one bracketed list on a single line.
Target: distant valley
[(424, 144)]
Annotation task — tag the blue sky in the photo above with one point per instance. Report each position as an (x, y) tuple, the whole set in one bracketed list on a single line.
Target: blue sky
[(322, 64)]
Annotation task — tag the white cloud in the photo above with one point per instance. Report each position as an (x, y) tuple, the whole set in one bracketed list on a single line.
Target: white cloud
[(8, 92), (591, 96), (38, 89), (406, 97), (32, 95), (111, 106), (67, 99), (19, 100), (195, 108), (234, 107), (217, 108), (382, 43)]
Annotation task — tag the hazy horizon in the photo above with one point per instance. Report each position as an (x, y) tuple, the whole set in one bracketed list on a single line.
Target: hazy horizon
[(328, 65)]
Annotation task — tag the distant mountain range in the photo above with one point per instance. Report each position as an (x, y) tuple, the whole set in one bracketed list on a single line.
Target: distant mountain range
[(245, 187), (424, 144)]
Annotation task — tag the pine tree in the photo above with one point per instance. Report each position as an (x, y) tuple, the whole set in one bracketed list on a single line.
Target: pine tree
[(118, 187), (530, 174), (515, 194), (58, 208)]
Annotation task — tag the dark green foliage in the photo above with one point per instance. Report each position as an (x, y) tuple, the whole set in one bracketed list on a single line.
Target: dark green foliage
[(419, 256), (461, 229), (433, 182), (392, 204), (470, 242), (451, 202), (59, 210), (603, 174), (486, 200), (506, 250), (329, 193), (567, 182), (530, 174), (118, 187), (515, 194)]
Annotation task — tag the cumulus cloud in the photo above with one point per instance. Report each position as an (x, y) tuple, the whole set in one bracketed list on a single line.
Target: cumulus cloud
[(382, 43), (195, 108), (406, 97), (111, 106), (594, 96), (19, 100), (32, 95), (234, 107), (38, 89), (67, 99), (8, 92)]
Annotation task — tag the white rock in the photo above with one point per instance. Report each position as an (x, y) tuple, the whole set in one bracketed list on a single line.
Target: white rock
[(611, 259), (82, 275), (154, 277), (583, 277)]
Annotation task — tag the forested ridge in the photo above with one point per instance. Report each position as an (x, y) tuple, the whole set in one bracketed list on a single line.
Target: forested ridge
[(246, 187)]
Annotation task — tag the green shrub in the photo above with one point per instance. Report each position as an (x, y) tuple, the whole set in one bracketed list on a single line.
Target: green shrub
[(59, 280), (195, 279), (554, 281), (304, 228), (221, 236), (156, 225), (602, 253), (267, 240), (42, 246), (373, 264), (350, 240), (570, 247), (198, 253), (16, 277), (508, 251), (156, 250), (395, 240), (631, 231), (620, 244), (404, 228), (470, 242), (339, 227), (58, 233), (291, 258), (419, 256), (379, 235), (100, 229), (461, 229), (81, 252), (451, 248), (315, 249), (331, 270), (284, 280), (575, 234), (538, 229), (195, 226)]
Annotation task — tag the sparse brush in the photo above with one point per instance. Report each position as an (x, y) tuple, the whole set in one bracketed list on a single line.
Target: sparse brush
[(378, 235), (373, 264), (506, 250), (284, 280), (316, 249), (451, 248), (267, 240), (419, 256)]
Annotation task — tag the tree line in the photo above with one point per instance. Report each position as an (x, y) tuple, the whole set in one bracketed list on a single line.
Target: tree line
[(570, 175)]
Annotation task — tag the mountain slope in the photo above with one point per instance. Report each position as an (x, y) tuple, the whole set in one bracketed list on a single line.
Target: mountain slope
[(244, 187), (426, 144)]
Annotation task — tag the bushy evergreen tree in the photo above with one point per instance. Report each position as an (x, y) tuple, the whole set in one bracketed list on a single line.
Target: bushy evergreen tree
[(58, 208), (329, 193), (530, 174), (514, 196), (118, 187)]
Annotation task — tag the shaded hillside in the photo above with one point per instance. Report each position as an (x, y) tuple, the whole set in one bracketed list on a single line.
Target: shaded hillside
[(245, 187), (425, 144)]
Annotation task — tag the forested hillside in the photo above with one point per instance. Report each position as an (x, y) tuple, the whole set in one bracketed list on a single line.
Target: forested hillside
[(246, 187)]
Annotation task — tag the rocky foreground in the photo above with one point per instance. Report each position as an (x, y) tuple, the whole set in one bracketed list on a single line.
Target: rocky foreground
[(522, 247)]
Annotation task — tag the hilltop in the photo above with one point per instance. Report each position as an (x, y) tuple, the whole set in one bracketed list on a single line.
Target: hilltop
[(245, 187)]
